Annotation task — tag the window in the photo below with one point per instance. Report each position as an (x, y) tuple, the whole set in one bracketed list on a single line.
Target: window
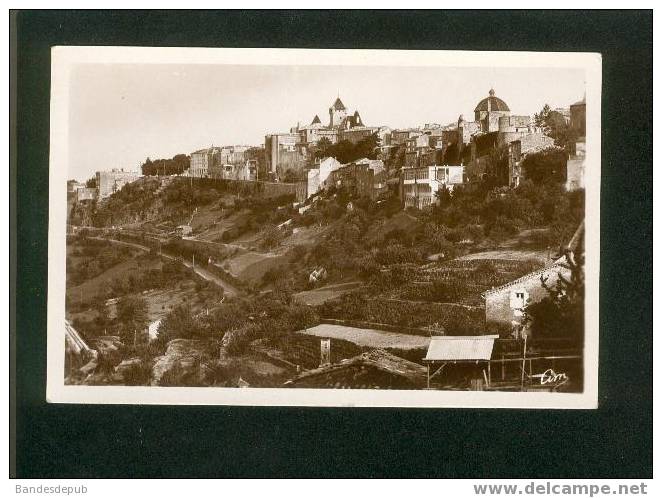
[(518, 298)]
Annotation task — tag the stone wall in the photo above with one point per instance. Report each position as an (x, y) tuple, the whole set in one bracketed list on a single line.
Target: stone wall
[(575, 173), (502, 305)]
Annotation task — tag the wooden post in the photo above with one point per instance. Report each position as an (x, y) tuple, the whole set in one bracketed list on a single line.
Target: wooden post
[(503, 368), (523, 364), (489, 372), (428, 376)]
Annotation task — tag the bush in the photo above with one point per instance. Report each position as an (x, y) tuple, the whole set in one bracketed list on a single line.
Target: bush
[(397, 254), (138, 374), (273, 275)]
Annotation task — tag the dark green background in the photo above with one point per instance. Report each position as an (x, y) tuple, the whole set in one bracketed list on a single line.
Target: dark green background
[(160, 441)]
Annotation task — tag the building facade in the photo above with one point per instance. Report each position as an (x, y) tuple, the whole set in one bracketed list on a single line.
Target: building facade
[(86, 194), (356, 179), (109, 182), (488, 112), (575, 167), (317, 177), (358, 133), (399, 137), (246, 170), (282, 152), (497, 141), (203, 161), (419, 186), (505, 305), (578, 117)]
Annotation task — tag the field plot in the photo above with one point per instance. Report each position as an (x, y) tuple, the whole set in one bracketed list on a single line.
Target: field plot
[(507, 255), (316, 297)]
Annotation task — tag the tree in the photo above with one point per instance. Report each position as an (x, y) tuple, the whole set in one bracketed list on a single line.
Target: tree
[(174, 166), (102, 319), (452, 154), (561, 313), (444, 196), (91, 182), (322, 148), (368, 147), (396, 158), (132, 318), (546, 166), (179, 323), (291, 176), (346, 151), (540, 118), (555, 126), (498, 164)]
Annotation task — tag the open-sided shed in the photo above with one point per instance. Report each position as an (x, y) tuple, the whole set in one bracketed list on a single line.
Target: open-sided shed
[(445, 350)]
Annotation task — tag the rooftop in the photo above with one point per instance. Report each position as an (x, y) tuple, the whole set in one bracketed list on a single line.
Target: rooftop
[(560, 263), (377, 358), (338, 105), (460, 348), (492, 103)]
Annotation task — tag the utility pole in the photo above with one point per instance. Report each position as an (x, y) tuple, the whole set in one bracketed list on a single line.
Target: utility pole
[(523, 364)]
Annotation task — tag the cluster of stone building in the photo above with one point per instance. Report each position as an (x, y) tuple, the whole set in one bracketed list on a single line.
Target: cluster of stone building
[(234, 162), (361, 178), (435, 156), (107, 183), (294, 150), (79, 192)]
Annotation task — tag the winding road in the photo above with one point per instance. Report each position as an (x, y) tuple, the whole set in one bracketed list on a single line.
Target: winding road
[(229, 289)]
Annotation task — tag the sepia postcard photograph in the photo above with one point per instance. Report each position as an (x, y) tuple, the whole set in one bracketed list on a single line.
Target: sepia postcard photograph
[(308, 227)]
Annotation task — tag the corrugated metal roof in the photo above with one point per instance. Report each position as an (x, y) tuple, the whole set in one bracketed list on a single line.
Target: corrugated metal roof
[(454, 348)]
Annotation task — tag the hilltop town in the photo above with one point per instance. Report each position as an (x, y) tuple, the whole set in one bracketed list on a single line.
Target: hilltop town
[(339, 254)]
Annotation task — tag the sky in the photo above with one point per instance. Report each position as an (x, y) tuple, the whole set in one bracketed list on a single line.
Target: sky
[(120, 114)]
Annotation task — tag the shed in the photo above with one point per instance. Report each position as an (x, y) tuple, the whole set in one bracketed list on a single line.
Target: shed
[(458, 349)]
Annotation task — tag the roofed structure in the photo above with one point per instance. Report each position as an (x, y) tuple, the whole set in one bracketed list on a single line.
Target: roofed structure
[(460, 348), (492, 103), (74, 342), (375, 368), (338, 105)]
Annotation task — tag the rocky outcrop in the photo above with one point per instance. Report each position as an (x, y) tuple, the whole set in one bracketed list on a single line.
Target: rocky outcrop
[(182, 364)]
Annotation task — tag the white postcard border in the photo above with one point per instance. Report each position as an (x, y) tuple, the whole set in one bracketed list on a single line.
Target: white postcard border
[(63, 59)]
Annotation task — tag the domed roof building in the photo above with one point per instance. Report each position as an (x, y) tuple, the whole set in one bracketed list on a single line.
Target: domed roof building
[(489, 110), (492, 103)]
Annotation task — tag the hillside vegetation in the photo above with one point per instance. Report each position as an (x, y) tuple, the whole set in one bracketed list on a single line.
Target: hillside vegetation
[(381, 265)]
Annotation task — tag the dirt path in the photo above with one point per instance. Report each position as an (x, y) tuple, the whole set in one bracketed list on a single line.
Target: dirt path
[(229, 289)]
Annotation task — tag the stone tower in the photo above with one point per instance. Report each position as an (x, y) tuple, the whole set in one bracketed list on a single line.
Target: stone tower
[(337, 112)]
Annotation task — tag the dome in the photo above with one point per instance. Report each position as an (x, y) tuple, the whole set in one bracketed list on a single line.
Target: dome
[(492, 103)]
